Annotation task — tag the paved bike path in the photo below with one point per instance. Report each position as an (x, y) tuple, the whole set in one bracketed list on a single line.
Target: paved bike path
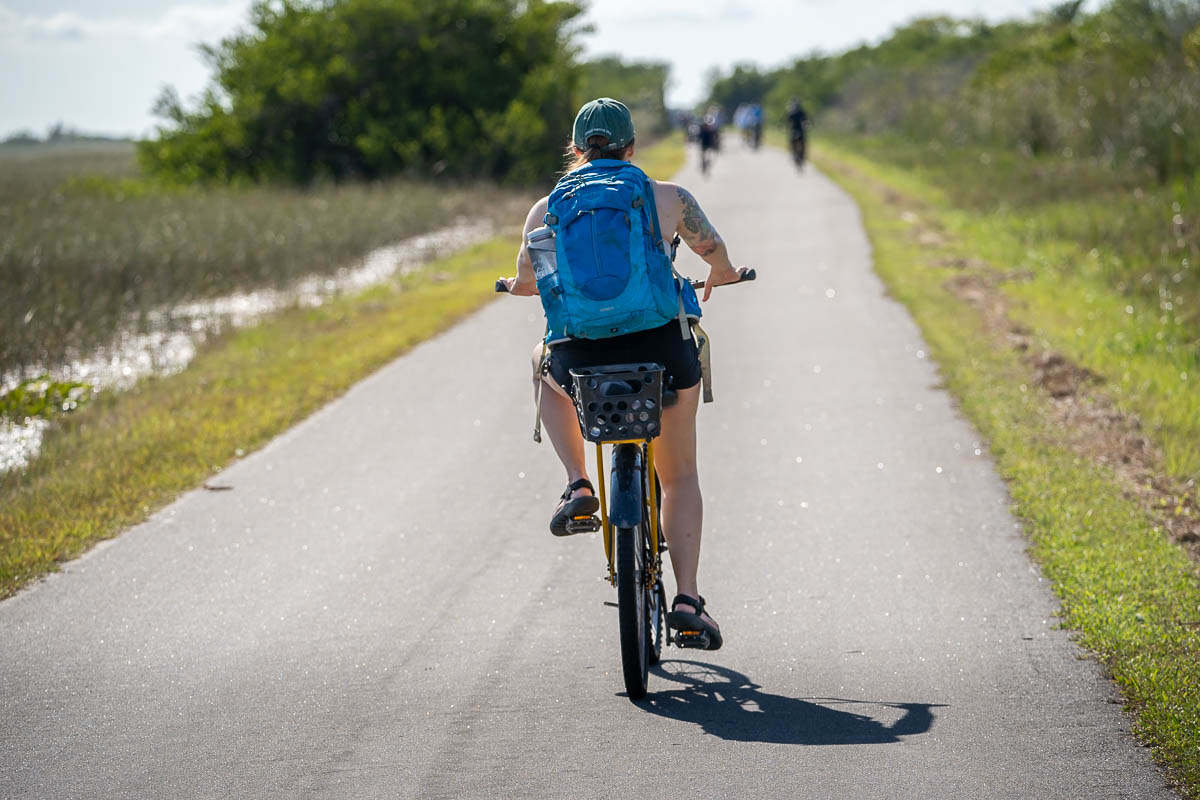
[(377, 610)]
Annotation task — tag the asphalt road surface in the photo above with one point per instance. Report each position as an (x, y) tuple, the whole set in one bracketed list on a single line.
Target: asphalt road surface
[(377, 610)]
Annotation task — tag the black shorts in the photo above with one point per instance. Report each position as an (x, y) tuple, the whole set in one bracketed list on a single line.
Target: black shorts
[(663, 345)]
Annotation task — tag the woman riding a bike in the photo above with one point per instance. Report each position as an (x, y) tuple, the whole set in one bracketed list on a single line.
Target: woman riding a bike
[(604, 130)]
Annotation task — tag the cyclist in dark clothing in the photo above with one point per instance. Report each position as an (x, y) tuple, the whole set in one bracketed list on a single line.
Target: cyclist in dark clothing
[(798, 122), (710, 142)]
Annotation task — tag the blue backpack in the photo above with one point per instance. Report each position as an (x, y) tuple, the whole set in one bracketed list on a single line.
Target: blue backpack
[(613, 275)]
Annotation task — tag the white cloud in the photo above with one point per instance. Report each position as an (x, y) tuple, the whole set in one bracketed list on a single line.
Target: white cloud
[(696, 35), (189, 21), (681, 12)]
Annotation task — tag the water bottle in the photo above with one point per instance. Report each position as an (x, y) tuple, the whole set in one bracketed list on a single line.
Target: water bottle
[(544, 256)]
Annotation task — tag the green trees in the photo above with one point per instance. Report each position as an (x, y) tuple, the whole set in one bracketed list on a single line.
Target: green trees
[(641, 86), (745, 84), (369, 88), (1121, 84)]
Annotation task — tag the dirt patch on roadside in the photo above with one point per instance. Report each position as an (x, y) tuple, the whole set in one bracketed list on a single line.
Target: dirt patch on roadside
[(1091, 424), (1060, 377), (979, 289), (962, 263), (1093, 427)]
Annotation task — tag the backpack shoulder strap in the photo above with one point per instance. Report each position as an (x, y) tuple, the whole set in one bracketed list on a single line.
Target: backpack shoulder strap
[(685, 330), (651, 208)]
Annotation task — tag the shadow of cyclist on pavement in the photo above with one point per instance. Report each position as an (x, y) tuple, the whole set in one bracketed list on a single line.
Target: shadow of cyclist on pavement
[(728, 704)]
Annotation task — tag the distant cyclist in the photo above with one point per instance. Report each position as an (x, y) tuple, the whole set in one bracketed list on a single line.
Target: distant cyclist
[(755, 118), (741, 120), (710, 139), (798, 123)]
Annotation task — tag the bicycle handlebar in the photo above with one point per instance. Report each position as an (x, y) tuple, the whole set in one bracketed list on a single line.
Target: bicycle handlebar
[(748, 275)]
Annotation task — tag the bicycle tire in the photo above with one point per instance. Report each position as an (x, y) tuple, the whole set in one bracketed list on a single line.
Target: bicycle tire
[(656, 596), (799, 151), (632, 610), (656, 631)]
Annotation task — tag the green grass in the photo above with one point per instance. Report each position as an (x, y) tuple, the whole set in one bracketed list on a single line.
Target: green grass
[(1147, 235), (42, 397), (110, 464), (88, 245), (663, 159), (114, 461), (1113, 309), (1127, 590)]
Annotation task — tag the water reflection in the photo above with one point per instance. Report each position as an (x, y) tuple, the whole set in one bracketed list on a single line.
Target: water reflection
[(167, 341), (19, 442)]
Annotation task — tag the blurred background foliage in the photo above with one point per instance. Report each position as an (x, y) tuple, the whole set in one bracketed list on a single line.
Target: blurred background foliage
[(371, 88), (1121, 84), (1075, 125), (90, 247), (640, 85), (330, 128), (337, 89)]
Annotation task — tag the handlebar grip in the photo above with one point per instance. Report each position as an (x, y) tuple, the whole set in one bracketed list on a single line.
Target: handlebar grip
[(748, 275), (501, 286)]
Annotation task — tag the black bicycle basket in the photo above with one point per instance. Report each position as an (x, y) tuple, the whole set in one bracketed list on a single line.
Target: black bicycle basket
[(623, 401)]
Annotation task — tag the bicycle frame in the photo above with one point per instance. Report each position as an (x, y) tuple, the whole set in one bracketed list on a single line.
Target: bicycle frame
[(629, 513), (645, 453), (614, 402)]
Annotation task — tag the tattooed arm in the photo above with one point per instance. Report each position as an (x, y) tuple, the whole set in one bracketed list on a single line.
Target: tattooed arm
[(695, 229)]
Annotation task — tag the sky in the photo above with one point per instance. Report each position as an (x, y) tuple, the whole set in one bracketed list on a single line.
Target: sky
[(98, 65)]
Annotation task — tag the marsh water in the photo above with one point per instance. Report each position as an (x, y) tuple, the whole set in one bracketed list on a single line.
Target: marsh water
[(167, 339)]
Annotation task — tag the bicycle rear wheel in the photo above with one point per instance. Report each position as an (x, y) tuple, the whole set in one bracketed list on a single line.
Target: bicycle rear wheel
[(798, 148), (633, 609)]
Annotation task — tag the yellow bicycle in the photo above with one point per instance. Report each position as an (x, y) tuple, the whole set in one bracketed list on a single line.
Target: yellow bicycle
[(621, 406)]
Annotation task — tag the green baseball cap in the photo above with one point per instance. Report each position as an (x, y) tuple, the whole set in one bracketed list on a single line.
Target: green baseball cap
[(603, 117)]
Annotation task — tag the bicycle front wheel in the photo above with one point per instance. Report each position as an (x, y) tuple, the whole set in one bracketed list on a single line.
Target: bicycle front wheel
[(656, 629), (632, 609)]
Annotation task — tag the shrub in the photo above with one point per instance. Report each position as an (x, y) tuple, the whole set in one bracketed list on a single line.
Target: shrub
[(370, 88)]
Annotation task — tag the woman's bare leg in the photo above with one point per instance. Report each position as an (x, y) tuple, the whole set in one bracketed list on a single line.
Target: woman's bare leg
[(682, 504), (562, 426)]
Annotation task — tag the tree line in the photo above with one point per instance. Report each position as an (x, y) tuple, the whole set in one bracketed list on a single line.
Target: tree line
[(1121, 84), (364, 89)]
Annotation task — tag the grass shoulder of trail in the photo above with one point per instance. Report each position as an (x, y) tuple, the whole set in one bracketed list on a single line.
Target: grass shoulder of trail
[(127, 454), (1105, 264), (121, 457), (1133, 595), (663, 158)]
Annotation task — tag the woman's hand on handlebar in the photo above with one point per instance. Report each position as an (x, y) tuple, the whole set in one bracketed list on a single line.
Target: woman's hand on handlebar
[(720, 275), (520, 289)]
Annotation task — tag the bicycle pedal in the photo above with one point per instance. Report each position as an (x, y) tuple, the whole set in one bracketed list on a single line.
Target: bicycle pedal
[(588, 524), (696, 640)]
